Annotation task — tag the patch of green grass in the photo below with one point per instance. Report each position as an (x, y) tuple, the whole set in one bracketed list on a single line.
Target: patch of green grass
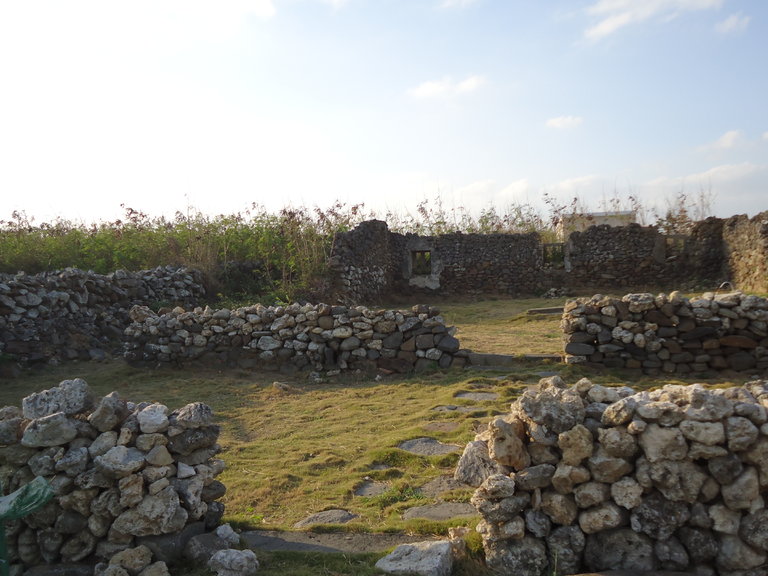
[(308, 564), (501, 326), (396, 494)]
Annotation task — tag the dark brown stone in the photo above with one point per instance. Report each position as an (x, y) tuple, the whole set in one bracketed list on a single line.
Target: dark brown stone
[(736, 341)]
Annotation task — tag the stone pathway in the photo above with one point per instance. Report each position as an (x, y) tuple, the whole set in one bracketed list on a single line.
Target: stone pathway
[(326, 517), (441, 511), (478, 396), (440, 426), (371, 488), (273, 540), (454, 408), (428, 447)]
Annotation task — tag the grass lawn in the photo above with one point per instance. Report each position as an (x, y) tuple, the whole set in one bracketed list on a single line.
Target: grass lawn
[(294, 447), (503, 326)]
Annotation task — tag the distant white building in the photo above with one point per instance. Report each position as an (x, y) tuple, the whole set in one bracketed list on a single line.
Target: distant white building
[(579, 222)]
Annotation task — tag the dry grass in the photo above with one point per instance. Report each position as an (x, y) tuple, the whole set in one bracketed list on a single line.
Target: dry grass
[(300, 447), (503, 326)]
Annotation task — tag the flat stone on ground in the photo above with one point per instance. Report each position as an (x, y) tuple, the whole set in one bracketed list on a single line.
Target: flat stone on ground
[(274, 540), (454, 408), (478, 396), (446, 483), (326, 517), (371, 488), (441, 511), (441, 426), (428, 447)]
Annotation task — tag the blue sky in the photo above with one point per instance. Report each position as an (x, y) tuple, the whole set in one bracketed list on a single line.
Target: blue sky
[(165, 105)]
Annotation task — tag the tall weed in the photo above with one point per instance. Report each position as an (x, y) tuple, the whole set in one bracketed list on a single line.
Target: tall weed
[(280, 256)]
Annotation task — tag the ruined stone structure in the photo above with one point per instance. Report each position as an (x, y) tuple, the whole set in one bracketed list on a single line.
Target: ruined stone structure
[(593, 478), (75, 314), (127, 478), (371, 262), (295, 337), (669, 334)]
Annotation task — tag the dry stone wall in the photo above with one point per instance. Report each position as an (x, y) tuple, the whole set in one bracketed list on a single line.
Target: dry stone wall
[(361, 262), (124, 474), (296, 337), (615, 256), (594, 478), (74, 314), (669, 334), (747, 247), (469, 263), (370, 262)]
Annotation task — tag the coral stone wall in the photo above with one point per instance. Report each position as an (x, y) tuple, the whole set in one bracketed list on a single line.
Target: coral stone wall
[(615, 256), (593, 478), (372, 263), (296, 337), (74, 314), (123, 474), (361, 262), (747, 247), (669, 334), (470, 263)]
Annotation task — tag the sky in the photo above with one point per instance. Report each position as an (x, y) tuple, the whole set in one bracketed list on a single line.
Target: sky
[(215, 106)]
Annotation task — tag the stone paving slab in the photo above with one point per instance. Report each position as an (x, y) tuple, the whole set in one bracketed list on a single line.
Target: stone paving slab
[(371, 488), (441, 511), (428, 447), (275, 540), (326, 517), (478, 396)]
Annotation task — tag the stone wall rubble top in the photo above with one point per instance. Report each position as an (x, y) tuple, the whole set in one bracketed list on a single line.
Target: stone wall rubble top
[(128, 478), (592, 478), (669, 333)]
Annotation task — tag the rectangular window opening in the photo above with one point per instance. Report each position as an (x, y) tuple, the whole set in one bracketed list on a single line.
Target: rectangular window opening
[(421, 262), (554, 254)]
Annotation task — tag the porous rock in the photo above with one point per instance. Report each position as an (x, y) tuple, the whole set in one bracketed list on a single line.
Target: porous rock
[(429, 558)]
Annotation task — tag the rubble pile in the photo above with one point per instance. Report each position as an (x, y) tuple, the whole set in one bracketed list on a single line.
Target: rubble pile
[(126, 476)]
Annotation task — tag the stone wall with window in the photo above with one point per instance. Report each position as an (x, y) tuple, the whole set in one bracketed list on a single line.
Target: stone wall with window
[(372, 263)]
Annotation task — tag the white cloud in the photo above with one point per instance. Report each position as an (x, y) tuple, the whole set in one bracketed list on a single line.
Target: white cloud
[(562, 122), (731, 188), (477, 189), (614, 15), (722, 174), (335, 4), (456, 3), (727, 141), (576, 185), (765, 135), (446, 87), (735, 23), (515, 189), (728, 172)]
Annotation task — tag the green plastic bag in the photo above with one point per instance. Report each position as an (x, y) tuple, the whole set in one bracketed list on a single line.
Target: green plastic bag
[(18, 504)]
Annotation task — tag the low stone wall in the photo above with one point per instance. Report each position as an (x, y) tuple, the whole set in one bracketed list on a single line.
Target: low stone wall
[(594, 478), (124, 475), (74, 314), (296, 337), (669, 334)]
